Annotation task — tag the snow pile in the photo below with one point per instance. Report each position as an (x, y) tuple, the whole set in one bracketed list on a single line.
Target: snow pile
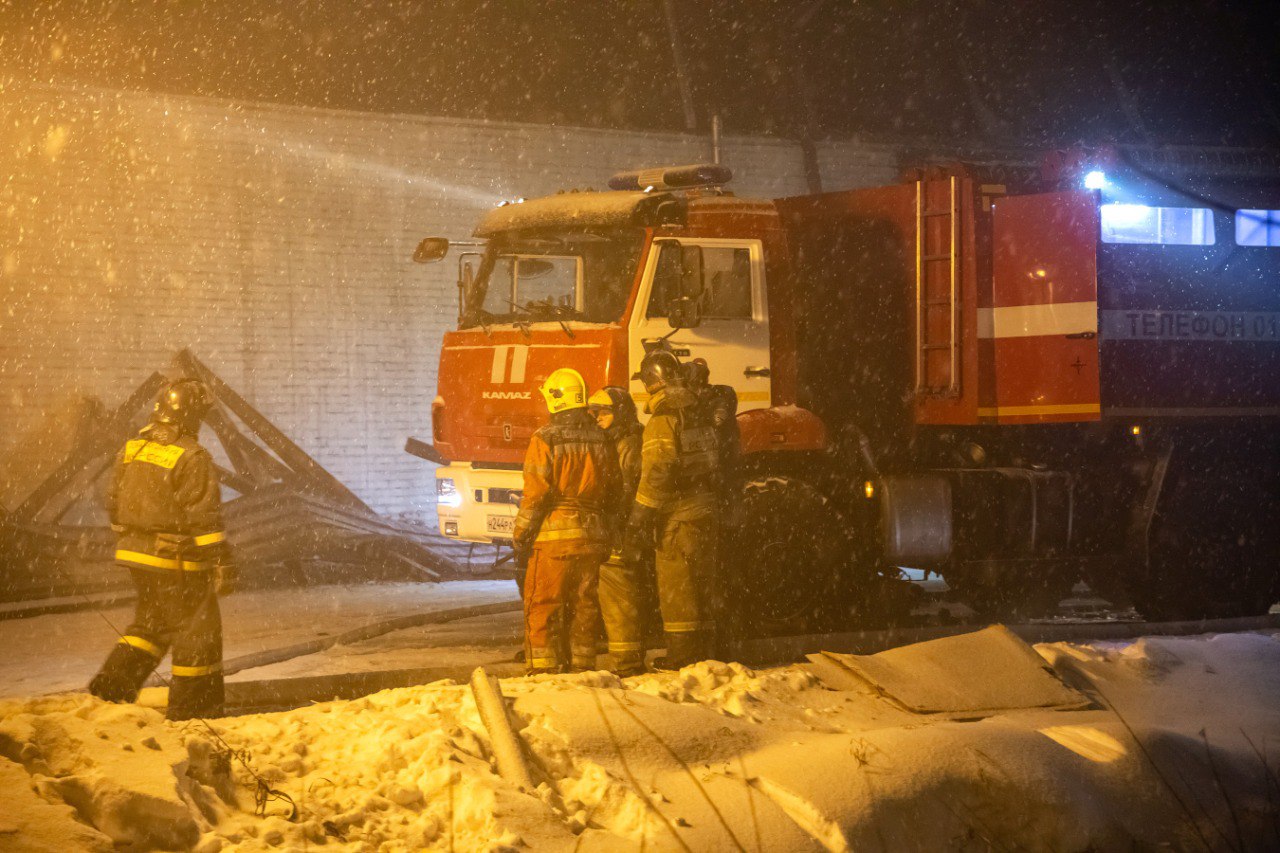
[(729, 688), (117, 766), (1175, 751)]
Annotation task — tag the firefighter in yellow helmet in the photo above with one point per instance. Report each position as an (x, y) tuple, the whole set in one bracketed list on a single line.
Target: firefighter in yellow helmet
[(623, 582), (166, 509), (572, 487), (675, 509)]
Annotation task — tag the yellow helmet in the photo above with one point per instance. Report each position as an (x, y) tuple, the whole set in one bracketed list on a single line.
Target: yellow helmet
[(564, 389), (602, 399)]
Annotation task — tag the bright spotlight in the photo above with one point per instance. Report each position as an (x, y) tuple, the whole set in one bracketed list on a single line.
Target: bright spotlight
[(1095, 180)]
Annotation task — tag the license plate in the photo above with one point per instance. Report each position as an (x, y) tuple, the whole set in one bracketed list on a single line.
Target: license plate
[(500, 524)]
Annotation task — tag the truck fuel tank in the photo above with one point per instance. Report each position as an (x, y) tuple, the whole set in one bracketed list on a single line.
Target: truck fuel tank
[(931, 517)]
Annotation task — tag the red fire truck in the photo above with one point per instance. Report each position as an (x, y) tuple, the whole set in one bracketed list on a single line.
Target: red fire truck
[(1014, 377)]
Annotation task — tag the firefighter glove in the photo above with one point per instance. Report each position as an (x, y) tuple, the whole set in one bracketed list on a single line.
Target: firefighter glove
[(522, 546), (520, 554), (639, 537)]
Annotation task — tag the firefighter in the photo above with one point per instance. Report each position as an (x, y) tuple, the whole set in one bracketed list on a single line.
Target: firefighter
[(720, 405), (622, 583), (166, 510), (675, 509), (572, 487)]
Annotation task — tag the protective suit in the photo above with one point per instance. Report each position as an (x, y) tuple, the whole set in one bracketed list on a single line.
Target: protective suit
[(166, 508), (623, 583), (675, 508), (562, 532)]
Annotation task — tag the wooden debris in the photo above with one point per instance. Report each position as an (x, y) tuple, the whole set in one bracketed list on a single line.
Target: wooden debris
[(288, 511)]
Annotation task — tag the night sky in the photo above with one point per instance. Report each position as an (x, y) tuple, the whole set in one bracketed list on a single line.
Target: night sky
[(977, 72)]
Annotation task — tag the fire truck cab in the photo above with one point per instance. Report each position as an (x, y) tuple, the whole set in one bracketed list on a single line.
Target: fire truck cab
[(588, 280)]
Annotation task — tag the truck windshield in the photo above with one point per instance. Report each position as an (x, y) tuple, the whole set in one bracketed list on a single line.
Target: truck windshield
[(562, 275)]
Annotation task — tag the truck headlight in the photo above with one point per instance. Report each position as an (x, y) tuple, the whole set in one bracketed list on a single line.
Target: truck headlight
[(447, 493)]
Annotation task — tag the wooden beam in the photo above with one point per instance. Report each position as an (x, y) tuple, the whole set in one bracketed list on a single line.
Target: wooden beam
[(102, 441), (293, 455), (228, 437), (241, 484), (248, 458), (59, 504)]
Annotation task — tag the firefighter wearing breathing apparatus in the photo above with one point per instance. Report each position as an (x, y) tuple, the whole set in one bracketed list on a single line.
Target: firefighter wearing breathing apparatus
[(572, 487), (720, 404), (675, 509), (622, 583), (166, 508)]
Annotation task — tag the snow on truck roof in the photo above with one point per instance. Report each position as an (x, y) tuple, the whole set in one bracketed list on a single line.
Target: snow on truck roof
[(576, 208)]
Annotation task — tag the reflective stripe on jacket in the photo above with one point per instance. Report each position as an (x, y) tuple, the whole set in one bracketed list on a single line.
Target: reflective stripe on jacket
[(162, 552), (571, 482)]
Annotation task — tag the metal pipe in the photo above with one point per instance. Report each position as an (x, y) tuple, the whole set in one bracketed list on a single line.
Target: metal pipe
[(507, 748), (715, 139), (955, 287), (920, 309), (682, 75)]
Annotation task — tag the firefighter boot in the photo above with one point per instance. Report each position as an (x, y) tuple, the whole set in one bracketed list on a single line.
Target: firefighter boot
[(683, 648), (122, 674), (582, 659), (196, 696), (627, 664)]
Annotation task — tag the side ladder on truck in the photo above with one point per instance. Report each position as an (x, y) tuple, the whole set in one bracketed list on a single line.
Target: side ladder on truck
[(938, 287)]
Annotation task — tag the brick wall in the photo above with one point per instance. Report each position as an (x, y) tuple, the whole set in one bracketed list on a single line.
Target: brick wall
[(275, 242)]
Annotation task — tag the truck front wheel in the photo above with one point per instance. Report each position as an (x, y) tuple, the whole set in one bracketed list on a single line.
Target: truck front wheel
[(783, 571)]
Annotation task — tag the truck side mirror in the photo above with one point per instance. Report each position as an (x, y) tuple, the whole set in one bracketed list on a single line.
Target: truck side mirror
[(685, 311), (431, 249), (464, 287)]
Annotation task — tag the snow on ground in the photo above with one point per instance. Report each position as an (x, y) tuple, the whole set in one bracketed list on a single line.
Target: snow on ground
[(1176, 752), (62, 651)]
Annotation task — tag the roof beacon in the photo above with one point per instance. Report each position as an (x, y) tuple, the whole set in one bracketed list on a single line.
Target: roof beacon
[(672, 177)]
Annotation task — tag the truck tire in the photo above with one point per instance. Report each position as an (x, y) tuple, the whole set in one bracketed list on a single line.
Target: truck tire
[(1212, 552), (786, 566)]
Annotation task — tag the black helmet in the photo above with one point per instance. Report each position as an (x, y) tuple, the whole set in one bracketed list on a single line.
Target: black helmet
[(659, 369), (183, 404), (697, 374), (624, 408)]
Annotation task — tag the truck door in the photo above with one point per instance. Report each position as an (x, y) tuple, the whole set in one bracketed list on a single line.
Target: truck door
[(1041, 329), (734, 334)]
